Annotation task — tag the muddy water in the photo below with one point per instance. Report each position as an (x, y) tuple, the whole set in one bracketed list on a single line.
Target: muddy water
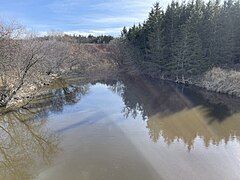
[(130, 129)]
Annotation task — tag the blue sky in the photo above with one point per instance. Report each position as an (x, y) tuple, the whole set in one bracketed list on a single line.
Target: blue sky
[(77, 16)]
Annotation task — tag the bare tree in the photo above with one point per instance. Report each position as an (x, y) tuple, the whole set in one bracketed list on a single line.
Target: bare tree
[(28, 61)]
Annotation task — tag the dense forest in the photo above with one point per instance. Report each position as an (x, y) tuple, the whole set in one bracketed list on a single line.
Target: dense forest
[(186, 40)]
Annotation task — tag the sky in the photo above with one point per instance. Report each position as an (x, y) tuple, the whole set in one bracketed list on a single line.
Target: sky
[(83, 17)]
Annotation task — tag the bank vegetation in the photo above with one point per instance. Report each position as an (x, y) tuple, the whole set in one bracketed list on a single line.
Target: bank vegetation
[(28, 63)]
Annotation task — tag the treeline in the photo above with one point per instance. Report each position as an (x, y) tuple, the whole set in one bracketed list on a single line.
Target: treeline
[(103, 39), (187, 39)]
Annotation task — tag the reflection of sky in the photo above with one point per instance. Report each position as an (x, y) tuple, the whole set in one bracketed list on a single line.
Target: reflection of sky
[(98, 98), (98, 103)]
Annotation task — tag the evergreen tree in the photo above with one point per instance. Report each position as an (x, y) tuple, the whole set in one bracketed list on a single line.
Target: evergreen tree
[(124, 32), (188, 39), (155, 61)]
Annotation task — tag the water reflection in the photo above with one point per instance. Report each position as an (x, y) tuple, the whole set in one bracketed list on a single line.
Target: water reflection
[(25, 146), (172, 113), (57, 96), (147, 129), (189, 124), (180, 114)]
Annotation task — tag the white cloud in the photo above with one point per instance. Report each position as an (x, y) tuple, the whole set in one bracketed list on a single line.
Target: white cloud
[(89, 16), (116, 19), (41, 33), (127, 10), (132, 5), (96, 32), (109, 11)]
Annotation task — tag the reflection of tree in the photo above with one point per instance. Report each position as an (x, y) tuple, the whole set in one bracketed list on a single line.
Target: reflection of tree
[(25, 146), (140, 95), (189, 124), (56, 97), (175, 113), (66, 96)]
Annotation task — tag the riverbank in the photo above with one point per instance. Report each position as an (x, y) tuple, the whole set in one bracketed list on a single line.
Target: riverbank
[(216, 80), (221, 81), (99, 61), (87, 60), (130, 61)]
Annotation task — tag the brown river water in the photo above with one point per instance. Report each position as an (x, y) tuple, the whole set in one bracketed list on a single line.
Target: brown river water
[(126, 129)]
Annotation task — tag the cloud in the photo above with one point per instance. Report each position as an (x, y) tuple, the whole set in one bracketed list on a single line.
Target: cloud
[(126, 10), (80, 16), (117, 19), (126, 5), (102, 11), (96, 32), (98, 16)]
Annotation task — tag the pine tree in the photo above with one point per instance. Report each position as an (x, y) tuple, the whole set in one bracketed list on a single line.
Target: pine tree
[(124, 32), (155, 62), (188, 39)]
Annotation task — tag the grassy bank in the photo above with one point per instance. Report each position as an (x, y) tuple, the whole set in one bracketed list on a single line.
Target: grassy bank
[(222, 81)]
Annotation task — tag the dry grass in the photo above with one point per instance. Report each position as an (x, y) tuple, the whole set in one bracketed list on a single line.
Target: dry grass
[(222, 81)]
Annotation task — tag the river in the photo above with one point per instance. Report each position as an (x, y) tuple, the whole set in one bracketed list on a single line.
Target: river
[(126, 129)]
